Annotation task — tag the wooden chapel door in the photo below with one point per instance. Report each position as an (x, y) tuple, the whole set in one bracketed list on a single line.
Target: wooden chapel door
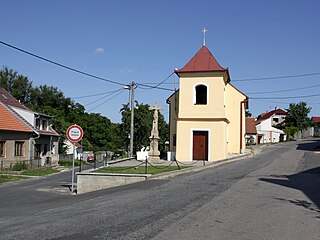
[(200, 145)]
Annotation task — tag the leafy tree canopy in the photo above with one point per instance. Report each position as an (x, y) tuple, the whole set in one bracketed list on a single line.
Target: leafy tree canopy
[(298, 116), (99, 132), (248, 113), (143, 118)]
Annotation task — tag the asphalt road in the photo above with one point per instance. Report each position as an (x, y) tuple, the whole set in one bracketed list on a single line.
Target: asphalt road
[(273, 195)]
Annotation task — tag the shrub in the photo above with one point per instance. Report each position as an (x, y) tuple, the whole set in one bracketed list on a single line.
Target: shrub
[(68, 163), (290, 131), (19, 166)]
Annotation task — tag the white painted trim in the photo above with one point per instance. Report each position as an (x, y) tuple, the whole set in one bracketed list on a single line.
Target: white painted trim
[(191, 141), (194, 92)]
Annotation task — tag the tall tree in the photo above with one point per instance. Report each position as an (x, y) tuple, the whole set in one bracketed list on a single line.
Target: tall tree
[(298, 116), (143, 119), (18, 85), (99, 132)]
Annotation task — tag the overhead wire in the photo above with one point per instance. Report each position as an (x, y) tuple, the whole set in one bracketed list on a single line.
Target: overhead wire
[(105, 101), (61, 65), (102, 97), (148, 87), (97, 94), (276, 77), (288, 97), (285, 90)]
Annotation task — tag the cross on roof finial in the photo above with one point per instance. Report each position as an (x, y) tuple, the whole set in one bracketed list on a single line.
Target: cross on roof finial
[(204, 30)]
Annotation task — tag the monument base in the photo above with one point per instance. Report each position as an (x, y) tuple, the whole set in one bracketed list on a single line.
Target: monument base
[(154, 159)]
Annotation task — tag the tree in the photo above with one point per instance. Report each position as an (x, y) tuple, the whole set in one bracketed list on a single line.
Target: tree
[(18, 85), (143, 119), (290, 132), (248, 113), (298, 116), (99, 132)]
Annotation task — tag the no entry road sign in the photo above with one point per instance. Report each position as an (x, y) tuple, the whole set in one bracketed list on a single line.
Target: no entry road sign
[(74, 133)]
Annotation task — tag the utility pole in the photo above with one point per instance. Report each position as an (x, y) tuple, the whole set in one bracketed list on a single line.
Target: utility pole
[(132, 118)]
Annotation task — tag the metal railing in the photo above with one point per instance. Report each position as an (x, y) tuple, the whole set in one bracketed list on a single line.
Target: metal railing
[(25, 164)]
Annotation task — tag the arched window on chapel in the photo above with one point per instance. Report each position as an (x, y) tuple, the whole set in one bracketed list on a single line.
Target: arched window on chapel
[(201, 94)]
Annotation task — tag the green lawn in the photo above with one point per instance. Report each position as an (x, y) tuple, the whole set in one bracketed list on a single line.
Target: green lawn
[(139, 170), (6, 178), (38, 172), (28, 172)]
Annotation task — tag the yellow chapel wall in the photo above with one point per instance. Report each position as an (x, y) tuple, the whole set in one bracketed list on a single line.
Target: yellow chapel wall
[(233, 106), (213, 110), (216, 139), (215, 98), (173, 115)]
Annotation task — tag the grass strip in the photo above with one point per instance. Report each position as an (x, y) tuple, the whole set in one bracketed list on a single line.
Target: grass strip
[(139, 170), (7, 178), (39, 172)]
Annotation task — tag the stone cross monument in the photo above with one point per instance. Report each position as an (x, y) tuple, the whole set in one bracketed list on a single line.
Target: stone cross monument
[(154, 154)]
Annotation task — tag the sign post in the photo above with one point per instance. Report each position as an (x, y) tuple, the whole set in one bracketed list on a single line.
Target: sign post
[(74, 134)]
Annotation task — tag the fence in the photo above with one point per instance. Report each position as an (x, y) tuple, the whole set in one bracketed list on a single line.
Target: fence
[(26, 164)]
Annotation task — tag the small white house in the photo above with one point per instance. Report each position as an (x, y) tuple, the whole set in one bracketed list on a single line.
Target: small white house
[(267, 132), (70, 149)]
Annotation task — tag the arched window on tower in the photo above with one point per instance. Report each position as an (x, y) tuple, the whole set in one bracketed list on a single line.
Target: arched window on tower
[(201, 94)]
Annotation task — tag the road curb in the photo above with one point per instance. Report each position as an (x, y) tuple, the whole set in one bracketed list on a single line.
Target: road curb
[(199, 168)]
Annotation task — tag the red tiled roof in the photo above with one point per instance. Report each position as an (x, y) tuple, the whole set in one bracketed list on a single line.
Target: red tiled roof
[(315, 119), (267, 115), (203, 61), (9, 122), (8, 99), (251, 125)]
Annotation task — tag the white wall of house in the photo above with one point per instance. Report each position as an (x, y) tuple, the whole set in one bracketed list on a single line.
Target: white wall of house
[(278, 119), (70, 149), (27, 115), (269, 134), (249, 137)]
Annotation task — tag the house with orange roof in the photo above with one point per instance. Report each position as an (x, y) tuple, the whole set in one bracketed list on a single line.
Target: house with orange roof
[(251, 131), (207, 113), (24, 134), (267, 126)]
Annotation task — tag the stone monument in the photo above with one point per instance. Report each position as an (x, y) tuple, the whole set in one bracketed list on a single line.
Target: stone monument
[(154, 153)]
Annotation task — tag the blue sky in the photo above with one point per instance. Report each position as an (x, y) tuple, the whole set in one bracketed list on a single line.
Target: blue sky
[(143, 41)]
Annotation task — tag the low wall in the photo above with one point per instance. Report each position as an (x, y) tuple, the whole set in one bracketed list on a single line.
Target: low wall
[(89, 182)]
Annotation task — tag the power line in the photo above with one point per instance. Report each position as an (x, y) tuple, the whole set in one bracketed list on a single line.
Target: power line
[(98, 94), (163, 80), (106, 101), (61, 65), (289, 97), (286, 90), (145, 86), (102, 98), (276, 77), (148, 87)]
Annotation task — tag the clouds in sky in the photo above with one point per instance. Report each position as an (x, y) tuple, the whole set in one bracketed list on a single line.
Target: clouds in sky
[(99, 50)]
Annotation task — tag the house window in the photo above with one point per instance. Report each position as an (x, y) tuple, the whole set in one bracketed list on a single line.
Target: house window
[(201, 94), (276, 120), (19, 148), (2, 148), (44, 125), (38, 123)]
